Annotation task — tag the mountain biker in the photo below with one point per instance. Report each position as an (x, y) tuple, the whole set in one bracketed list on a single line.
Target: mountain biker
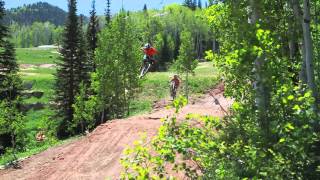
[(176, 81), (149, 52)]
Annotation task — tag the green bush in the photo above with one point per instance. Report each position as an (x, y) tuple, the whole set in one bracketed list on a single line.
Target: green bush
[(231, 148)]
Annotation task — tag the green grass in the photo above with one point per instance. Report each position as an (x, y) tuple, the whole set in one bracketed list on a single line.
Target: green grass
[(156, 86), (42, 80), (5, 159), (36, 56)]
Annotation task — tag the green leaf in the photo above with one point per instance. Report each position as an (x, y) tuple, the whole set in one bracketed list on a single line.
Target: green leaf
[(307, 94), (296, 108), (236, 106), (289, 127), (291, 97)]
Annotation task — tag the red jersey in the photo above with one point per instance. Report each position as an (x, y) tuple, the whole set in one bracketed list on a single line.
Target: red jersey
[(150, 52), (176, 81)]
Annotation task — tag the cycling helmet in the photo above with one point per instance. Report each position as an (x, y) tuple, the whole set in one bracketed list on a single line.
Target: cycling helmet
[(147, 46)]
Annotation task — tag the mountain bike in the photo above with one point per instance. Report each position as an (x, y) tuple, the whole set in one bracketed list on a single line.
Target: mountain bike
[(146, 66), (173, 90)]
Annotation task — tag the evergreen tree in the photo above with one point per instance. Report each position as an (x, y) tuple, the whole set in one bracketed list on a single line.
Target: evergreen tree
[(199, 4), (10, 87), (165, 51), (187, 3), (108, 12), (37, 12), (92, 34), (145, 9), (83, 67), (177, 44), (70, 71), (8, 63), (211, 2), (194, 5), (8, 72)]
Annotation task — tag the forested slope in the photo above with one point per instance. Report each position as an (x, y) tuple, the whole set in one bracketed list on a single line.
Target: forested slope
[(38, 12)]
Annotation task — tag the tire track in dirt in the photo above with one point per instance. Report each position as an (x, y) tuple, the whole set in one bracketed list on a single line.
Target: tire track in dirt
[(97, 155)]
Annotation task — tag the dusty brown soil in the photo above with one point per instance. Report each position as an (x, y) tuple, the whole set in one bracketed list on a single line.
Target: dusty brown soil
[(31, 66), (97, 155)]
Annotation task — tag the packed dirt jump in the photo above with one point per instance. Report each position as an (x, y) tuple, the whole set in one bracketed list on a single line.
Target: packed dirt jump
[(97, 155)]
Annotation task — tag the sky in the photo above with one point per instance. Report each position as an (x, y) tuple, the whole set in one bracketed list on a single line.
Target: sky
[(84, 6)]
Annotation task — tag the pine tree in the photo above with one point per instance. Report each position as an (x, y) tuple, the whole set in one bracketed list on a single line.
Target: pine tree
[(211, 2), (194, 5), (199, 4), (70, 71), (83, 67), (165, 53), (92, 33), (145, 9), (8, 63), (108, 12), (177, 44), (10, 87), (188, 3)]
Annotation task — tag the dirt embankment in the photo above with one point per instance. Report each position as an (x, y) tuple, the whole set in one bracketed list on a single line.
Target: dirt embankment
[(97, 155)]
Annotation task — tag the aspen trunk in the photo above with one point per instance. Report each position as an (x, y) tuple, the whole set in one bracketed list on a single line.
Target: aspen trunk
[(309, 51), (303, 72), (187, 86), (102, 116), (261, 88), (299, 17)]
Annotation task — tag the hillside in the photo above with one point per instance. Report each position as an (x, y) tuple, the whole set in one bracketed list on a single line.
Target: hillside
[(37, 12), (97, 155)]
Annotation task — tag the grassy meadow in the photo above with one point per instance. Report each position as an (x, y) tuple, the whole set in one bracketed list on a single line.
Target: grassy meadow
[(37, 56)]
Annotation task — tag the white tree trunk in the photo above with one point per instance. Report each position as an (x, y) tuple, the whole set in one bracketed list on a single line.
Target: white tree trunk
[(187, 86), (261, 88), (298, 15), (102, 116), (309, 50), (303, 72)]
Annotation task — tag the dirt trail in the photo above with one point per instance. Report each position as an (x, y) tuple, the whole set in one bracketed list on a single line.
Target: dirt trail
[(97, 155)]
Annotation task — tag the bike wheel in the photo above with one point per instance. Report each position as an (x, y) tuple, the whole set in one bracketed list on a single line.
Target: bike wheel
[(145, 69), (174, 94), (173, 91)]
